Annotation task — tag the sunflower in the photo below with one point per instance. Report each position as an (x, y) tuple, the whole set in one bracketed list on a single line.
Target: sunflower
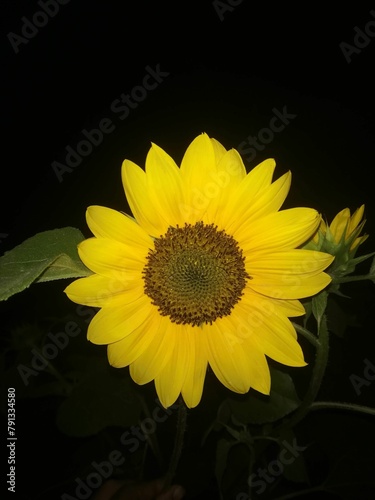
[(207, 273), (344, 230), (341, 239)]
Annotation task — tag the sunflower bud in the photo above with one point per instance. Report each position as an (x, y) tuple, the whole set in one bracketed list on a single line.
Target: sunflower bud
[(340, 239)]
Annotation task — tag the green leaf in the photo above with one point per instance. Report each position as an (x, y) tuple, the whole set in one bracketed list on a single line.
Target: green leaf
[(340, 319), (47, 256), (214, 426), (294, 470), (259, 409), (308, 311), (358, 260), (372, 271), (319, 304), (102, 399), (223, 413), (222, 451)]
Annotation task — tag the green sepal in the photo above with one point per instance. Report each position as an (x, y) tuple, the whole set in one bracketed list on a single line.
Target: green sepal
[(319, 305)]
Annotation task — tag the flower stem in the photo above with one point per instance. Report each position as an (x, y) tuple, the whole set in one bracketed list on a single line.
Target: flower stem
[(298, 494), (178, 443), (307, 334), (349, 279), (333, 405), (321, 358), (250, 470), (151, 438)]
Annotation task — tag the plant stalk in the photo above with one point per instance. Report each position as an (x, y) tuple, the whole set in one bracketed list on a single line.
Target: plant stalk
[(178, 443)]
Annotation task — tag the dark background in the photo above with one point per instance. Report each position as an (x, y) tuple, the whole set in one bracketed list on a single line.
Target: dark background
[(225, 76)]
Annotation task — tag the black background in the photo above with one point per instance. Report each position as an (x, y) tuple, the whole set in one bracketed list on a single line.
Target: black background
[(225, 76)]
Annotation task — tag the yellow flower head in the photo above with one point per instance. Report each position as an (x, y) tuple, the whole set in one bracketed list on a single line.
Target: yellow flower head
[(346, 228), (340, 239), (207, 272), (343, 232)]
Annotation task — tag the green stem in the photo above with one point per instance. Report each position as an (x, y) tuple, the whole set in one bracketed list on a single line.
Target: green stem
[(331, 405), (297, 494), (151, 438), (178, 443), (250, 469), (321, 359), (307, 334), (349, 279)]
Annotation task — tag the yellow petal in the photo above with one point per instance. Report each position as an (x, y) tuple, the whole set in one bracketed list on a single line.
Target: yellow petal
[(268, 201), (323, 226), (231, 162), (220, 188), (355, 219), (358, 241), (292, 287), (157, 354), (226, 356), (289, 267), (199, 175), (260, 377), (285, 307), (192, 387), (273, 334), (97, 291), (292, 274), (219, 149), (257, 368), (137, 193), (112, 259), (127, 350), (320, 233), (339, 224), (289, 308), (198, 160), (165, 186), (277, 343), (248, 189), (113, 323), (170, 379), (280, 230), (107, 223)]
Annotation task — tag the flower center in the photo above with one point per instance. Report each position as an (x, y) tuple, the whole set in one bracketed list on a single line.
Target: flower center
[(195, 274)]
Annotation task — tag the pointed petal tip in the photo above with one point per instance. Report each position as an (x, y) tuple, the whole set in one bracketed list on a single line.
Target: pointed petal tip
[(165, 400), (263, 389)]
